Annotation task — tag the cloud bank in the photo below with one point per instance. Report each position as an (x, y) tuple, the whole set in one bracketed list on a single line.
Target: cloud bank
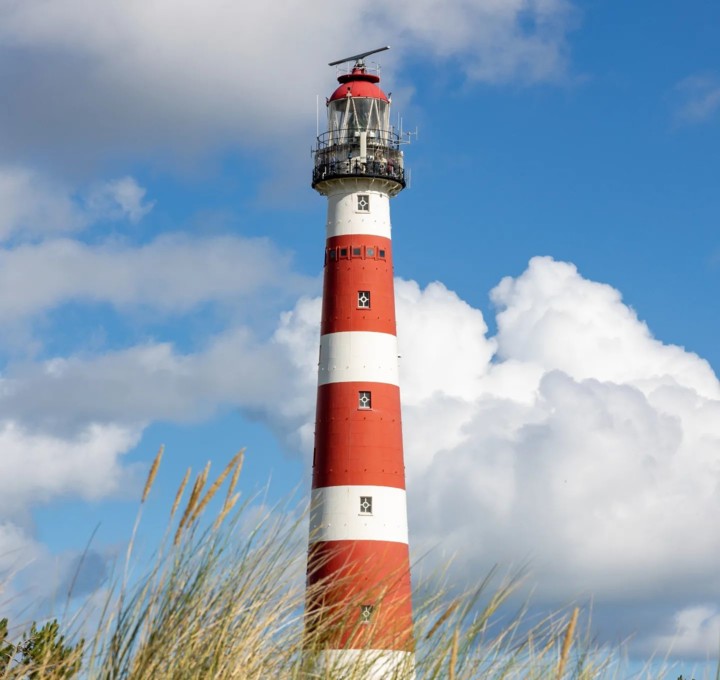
[(572, 438), (173, 273)]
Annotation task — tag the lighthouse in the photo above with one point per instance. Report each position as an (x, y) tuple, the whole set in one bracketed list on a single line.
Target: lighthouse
[(358, 561)]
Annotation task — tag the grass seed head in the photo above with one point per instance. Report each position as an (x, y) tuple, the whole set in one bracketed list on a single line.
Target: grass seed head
[(153, 473), (180, 491)]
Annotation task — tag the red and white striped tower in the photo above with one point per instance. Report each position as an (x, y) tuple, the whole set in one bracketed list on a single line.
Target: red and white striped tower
[(358, 525)]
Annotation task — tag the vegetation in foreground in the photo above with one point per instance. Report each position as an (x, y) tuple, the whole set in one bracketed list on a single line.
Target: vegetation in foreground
[(223, 598)]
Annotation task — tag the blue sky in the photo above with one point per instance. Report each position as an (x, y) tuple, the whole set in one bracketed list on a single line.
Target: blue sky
[(557, 260)]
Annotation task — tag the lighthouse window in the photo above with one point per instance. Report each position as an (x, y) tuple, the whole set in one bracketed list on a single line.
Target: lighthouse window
[(381, 253), (363, 299), (364, 400), (366, 505), (357, 252), (333, 254), (366, 612), (370, 252), (363, 203), (343, 252)]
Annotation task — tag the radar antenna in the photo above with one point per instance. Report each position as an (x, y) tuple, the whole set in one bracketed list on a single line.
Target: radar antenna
[(359, 57)]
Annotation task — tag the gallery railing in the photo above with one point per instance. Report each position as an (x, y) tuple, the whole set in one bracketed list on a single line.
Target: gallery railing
[(338, 154)]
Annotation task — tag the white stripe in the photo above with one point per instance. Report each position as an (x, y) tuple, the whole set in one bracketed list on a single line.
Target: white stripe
[(358, 356), (336, 515), (343, 218), (368, 664)]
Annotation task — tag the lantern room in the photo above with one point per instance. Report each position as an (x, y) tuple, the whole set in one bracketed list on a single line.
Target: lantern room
[(360, 141), (358, 105)]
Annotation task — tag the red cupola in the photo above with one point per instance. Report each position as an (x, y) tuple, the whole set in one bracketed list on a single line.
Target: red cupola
[(358, 83)]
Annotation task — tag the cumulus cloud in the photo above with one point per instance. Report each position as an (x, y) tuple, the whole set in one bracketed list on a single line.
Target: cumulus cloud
[(37, 467), (589, 448), (552, 317), (699, 98), (136, 76)]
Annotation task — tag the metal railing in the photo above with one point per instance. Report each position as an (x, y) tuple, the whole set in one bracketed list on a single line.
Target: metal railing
[(337, 154), (386, 138)]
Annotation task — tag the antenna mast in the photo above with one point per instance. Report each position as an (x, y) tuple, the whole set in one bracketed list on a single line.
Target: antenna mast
[(359, 57)]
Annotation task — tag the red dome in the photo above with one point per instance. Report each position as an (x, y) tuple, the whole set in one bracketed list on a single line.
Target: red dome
[(359, 83)]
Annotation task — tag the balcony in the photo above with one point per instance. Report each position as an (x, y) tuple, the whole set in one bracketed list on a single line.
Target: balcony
[(346, 154)]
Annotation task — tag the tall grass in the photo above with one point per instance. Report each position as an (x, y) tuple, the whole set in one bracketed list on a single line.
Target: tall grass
[(223, 597)]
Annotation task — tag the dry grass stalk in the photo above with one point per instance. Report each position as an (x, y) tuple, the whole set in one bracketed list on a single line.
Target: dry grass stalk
[(229, 505), (548, 646), (238, 462), (215, 486), (454, 654), (567, 643), (443, 617), (180, 492), (153, 473), (205, 474), (192, 501), (148, 485)]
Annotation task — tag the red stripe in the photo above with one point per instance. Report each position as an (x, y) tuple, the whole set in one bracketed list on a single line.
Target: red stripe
[(343, 576), (348, 274), (355, 446)]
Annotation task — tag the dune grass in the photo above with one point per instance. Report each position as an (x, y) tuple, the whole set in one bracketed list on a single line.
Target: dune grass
[(223, 597)]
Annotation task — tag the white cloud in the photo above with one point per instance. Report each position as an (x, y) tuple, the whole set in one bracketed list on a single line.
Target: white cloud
[(37, 467), (552, 317), (119, 198), (17, 549), (694, 632), (173, 273), (599, 451), (32, 204), (133, 76), (699, 98), (145, 383), (464, 330), (34, 581), (498, 41)]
